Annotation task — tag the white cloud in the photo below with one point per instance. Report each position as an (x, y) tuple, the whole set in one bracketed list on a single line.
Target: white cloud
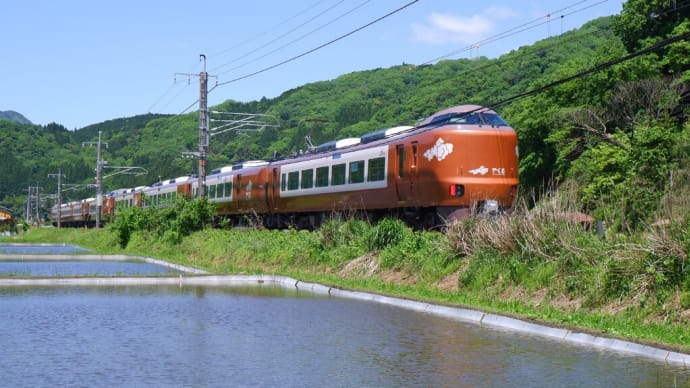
[(442, 28)]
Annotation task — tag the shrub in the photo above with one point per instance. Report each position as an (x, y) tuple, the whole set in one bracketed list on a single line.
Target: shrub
[(168, 223), (387, 232)]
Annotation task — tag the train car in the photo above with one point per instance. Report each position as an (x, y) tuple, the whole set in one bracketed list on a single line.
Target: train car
[(75, 213), (459, 160), (165, 193), (456, 161)]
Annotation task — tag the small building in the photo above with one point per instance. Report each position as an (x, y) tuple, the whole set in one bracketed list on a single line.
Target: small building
[(6, 218)]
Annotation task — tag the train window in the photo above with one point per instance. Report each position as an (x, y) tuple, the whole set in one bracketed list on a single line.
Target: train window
[(228, 189), (239, 183), (338, 174), (356, 172), (376, 169), (471, 119), (283, 180), (493, 119), (307, 178), (212, 191), (293, 180), (322, 177), (401, 160)]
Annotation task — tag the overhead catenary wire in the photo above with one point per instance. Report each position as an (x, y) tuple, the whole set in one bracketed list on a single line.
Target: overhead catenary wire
[(502, 35), (505, 34), (360, 5), (291, 59), (516, 30), (158, 101), (264, 32), (215, 70), (594, 69)]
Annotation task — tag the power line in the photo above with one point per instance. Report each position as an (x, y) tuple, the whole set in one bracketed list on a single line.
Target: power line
[(595, 69), (276, 25), (278, 38), (516, 30), (315, 48), (300, 37)]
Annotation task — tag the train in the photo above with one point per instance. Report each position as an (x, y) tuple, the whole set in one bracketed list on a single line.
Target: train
[(457, 161)]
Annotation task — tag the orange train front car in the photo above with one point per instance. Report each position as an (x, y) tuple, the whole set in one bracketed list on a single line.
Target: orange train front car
[(464, 159)]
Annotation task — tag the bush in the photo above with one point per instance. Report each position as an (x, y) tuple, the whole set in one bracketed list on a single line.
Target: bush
[(168, 223), (388, 231)]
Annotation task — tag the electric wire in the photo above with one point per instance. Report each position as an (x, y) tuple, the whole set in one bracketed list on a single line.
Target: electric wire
[(515, 30), (591, 70), (505, 34), (264, 32), (161, 97), (299, 38), (291, 59), (594, 69), (214, 70)]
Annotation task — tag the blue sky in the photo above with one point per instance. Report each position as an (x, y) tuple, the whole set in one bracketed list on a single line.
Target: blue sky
[(80, 62)]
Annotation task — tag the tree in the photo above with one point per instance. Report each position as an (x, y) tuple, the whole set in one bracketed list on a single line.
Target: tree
[(642, 23)]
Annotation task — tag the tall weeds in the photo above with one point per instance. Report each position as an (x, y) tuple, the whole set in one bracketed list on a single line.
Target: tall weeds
[(554, 238)]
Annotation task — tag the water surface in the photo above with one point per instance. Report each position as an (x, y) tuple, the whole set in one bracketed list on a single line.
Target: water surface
[(267, 336), (39, 248), (81, 268)]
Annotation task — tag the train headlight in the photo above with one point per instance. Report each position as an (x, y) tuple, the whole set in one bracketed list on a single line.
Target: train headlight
[(456, 190)]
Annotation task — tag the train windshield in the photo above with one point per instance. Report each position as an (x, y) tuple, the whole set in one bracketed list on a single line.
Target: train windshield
[(479, 119)]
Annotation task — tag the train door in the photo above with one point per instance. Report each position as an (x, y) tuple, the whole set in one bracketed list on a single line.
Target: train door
[(239, 200), (137, 199), (185, 190), (272, 190), (406, 175), (264, 184)]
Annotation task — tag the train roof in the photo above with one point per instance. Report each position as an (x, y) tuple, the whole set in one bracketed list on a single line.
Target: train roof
[(452, 111), (384, 133), (249, 163)]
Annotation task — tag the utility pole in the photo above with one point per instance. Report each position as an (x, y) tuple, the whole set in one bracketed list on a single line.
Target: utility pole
[(99, 177), (203, 126), (59, 194), (33, 203)]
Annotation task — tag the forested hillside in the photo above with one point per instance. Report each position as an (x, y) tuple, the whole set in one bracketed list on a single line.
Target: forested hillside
[(619, 134)]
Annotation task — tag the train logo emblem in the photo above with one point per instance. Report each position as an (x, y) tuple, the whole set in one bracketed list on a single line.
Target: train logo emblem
[(481, 170), (440, 150)]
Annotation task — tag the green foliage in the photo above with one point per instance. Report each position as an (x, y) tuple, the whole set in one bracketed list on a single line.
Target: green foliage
[(336, 233), (645, 22), (386, 232), (169, 223), (421, 253)]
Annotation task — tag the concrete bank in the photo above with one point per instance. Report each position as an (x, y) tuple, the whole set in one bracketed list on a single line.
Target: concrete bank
[(90, 257), (460, 314)]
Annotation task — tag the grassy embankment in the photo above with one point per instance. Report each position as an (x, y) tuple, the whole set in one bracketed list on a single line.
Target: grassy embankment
[(535, 265)]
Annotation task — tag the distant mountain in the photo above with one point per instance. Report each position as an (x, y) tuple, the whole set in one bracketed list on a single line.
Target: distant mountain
[(14, 116)]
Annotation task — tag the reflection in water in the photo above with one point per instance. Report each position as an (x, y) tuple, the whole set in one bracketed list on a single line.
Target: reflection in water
[(261, 336)]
